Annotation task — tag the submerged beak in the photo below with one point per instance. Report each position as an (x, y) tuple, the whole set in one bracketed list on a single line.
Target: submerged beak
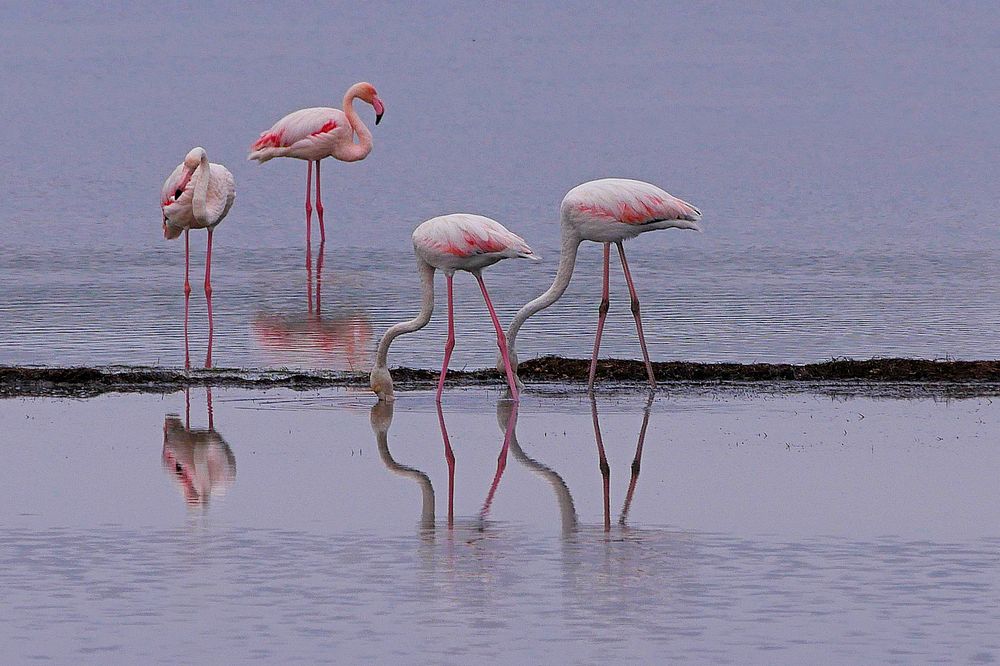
[(379, 109)]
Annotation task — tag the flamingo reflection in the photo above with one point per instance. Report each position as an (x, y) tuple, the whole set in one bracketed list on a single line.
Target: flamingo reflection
[(606, 469), (341, 342), (381, 419), (567, 509), (198, 459)]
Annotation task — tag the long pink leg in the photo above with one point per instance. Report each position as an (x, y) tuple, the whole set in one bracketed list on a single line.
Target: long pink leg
[(208, 298), (309, 207), (501, 464), (187, 298), (449, 455), (602, 314), (602, 460), (635, 313), (319, 207), (501, 340), (449, 345)]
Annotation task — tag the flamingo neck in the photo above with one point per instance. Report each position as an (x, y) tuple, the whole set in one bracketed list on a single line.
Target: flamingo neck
[(567, 261), (360, 150), (426, 309), (199, 202)]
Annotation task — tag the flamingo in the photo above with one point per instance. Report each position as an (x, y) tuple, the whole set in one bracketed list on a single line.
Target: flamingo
[(457, 242), (319, 132), (606, 211), (196, 195)]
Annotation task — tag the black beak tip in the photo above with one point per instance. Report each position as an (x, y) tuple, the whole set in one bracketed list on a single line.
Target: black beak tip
[(378, 118)]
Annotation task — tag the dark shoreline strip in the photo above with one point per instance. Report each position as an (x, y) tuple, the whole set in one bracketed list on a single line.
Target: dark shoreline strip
[(17, 381)]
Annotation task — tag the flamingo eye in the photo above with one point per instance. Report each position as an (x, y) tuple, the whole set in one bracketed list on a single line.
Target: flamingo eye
[(178, 193), (179, 468)]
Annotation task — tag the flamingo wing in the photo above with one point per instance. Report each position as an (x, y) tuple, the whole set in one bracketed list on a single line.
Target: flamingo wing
[(627, 201), (298, 127), (465, 235)]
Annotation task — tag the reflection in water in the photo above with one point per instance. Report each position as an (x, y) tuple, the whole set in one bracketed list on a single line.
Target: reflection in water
[(198, 459), (340, 342), (381, 419), (606, 469), (567, 510), (501, 459), (506, 414)]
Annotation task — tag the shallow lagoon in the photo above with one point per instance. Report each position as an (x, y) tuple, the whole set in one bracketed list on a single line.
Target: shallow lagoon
[(760, 527)]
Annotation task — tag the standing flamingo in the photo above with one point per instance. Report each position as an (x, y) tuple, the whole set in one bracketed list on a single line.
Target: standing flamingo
[(196, 195), (320, 132), (607, 211), (457, 242)]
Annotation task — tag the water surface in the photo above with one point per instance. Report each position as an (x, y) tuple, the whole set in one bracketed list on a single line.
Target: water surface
[(843, 157), (311, 526)]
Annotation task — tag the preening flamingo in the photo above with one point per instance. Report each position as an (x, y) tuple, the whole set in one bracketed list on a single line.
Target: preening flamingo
[(457, 242), (196, 195), (607, 211), (316, 133)]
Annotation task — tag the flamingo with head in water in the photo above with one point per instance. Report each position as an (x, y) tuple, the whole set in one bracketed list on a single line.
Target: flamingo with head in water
[(607, 211), (196, 195), (457, 242), (317, 133)]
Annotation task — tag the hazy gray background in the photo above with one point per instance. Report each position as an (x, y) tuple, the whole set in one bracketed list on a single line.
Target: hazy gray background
[(844, 158)]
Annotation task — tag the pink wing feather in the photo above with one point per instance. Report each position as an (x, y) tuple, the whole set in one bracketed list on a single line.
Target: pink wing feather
[(295, 127), (627, 201)]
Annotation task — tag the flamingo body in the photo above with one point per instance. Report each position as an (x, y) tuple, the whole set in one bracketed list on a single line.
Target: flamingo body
[(196, 195), (307, 134), (610, 210), (616, 209), (466, 242), (450, 243), (178, 211), (316, 133)]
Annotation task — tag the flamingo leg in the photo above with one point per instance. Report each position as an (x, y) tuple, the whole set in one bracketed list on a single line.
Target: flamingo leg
[(602, 314), (309, 207), (602, 461), (501, 339), (208, 298), (319, 208), (449, 455), (187, 298), (635, 313), (449, 345)]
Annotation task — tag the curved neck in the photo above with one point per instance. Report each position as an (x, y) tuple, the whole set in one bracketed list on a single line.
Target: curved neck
[(426, 308), (360, 150), (567, 260), (199, 202)]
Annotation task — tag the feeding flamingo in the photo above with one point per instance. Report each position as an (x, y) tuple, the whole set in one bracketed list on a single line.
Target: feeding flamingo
[(457, 242), (607, 211), (319, 132), (196, 195)]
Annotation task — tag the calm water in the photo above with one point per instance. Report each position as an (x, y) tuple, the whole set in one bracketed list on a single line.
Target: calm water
[(844, 158), (310, 526)]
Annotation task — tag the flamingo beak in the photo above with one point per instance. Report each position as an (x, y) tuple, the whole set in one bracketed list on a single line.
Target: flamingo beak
[(379, 109)]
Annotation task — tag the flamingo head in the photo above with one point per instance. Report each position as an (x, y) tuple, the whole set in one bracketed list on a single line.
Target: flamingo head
[(381, 383), (170, 232), (366, 92)]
